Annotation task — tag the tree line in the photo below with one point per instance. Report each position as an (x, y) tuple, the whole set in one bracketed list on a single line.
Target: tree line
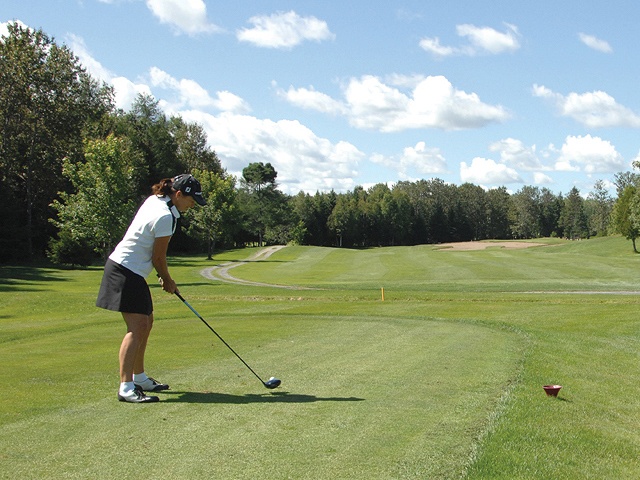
[(74, 170)]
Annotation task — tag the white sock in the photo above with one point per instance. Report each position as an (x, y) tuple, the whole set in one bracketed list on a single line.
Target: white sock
[(126, 387), (139, 377)]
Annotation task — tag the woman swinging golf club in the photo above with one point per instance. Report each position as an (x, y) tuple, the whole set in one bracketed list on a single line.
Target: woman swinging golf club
[(124, 288)]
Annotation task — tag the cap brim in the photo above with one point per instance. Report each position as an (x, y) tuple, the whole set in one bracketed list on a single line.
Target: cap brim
[(199, 200)]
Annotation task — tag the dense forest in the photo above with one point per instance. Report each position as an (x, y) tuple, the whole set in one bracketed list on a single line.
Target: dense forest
[(74, 169)]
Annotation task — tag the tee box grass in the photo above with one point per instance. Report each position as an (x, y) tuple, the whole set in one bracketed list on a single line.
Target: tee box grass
[(442, 379)]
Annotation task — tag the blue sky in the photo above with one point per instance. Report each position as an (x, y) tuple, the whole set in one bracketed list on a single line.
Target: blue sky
[(339, 94)]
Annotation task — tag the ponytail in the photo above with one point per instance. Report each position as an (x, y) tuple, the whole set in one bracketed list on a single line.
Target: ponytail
[(164, 187)]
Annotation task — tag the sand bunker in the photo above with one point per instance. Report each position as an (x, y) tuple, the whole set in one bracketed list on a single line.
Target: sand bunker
[(512, 245)]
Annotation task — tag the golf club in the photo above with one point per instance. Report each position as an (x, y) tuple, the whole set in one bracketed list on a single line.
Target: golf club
[(271, 383)]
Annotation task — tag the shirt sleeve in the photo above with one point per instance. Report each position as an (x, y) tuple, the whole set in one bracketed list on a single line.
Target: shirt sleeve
[(164, 226)]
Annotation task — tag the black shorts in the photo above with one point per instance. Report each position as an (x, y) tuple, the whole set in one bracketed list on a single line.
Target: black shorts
[(124, 291)]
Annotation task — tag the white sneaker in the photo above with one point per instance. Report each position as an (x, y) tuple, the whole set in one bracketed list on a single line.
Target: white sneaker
[(136, 396), (152, 385)]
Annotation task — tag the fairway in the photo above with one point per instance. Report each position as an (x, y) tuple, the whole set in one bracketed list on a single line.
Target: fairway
[(442, 379)]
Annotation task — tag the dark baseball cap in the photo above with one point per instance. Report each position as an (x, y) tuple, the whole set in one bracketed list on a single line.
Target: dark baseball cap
[(189, 186)]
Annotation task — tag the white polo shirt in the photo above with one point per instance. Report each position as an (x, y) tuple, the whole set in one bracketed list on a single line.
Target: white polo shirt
[(153, 220)]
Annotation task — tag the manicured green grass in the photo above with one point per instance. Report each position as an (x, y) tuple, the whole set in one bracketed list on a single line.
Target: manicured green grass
[(441, 380)]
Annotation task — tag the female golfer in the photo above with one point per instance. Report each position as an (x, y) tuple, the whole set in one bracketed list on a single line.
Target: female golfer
[(124, 287)]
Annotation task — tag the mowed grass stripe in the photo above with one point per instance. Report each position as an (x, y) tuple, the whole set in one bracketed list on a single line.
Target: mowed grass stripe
[(555, 267), (361, 399)]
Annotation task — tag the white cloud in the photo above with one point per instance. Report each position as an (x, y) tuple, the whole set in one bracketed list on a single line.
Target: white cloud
[(595, 43), (420, 160), (489, 40), (542, 179), (190, 94), (592, 109), (516, 154), (284, 30), (303, 160), (433, 102), (484, 171), (230, 102), (424, 160), (184, 16), (126, 91), (183, 93), (544, 92), (589, 154), (433, 46), (482, 40), (311, 99)]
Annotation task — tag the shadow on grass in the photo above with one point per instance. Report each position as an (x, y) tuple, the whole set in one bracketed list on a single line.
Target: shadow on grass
[(562, 399), (273, 397), (26, 278)]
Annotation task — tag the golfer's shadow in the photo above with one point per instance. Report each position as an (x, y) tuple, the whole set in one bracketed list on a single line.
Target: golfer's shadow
[(273, 397)]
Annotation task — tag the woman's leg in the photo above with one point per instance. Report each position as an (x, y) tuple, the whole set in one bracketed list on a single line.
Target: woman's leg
[(138, 365), (134, 344)]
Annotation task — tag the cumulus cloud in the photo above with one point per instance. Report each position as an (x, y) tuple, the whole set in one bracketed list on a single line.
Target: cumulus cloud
[(589, 154), (592, 109), (309, 98), (183, 16), (430, 102), (303, 160), (284, 30), (126, 91), (595, 43), (186, 93), (542, 179), (420, 160), (487, 172), (515, 153), (482, 40), (423, 159)]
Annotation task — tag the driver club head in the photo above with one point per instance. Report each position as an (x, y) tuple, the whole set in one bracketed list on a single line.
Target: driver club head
[(273, 382)]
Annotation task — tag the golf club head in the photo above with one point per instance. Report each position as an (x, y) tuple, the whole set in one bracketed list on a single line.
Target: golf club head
[(273, 382)]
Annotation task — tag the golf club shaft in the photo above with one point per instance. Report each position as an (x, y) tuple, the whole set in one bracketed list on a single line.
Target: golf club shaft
[(216, 334)]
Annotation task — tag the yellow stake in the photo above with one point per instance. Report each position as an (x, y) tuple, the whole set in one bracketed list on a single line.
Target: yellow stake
[(382, 290)]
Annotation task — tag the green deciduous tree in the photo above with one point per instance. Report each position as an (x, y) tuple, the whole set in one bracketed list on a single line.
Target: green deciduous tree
[(209, 223), (150, 132), (524, 215), (623, 219), (342, 220), (46, 101), (191, 147), (498, 206), (97, 213)]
